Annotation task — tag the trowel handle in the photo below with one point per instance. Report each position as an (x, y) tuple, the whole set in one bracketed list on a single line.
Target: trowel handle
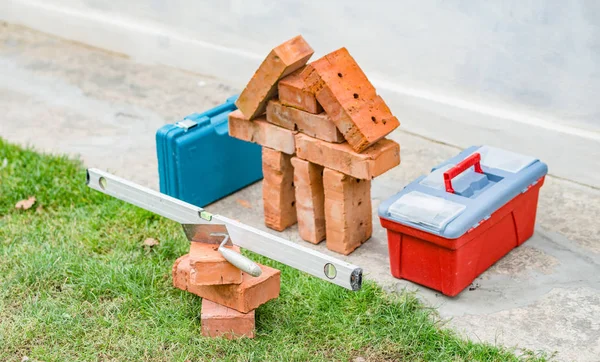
[(238, 260), (241, 262)]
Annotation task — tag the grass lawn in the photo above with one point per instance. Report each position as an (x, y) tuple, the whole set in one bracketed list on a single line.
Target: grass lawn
[(77, 283)]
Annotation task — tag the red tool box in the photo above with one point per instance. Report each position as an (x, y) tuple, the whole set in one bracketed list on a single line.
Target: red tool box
[(448, 227)]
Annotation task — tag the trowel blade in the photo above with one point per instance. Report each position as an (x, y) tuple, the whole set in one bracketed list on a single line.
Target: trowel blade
[(202, 233)]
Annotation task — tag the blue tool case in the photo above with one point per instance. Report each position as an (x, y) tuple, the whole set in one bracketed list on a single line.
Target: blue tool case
[(199, 163)]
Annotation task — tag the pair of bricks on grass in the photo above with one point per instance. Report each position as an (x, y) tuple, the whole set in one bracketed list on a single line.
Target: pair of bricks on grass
[(229, 296), (322, 127)]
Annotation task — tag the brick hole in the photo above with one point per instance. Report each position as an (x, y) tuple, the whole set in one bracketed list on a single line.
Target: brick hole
[(295, 127), (374, 119), (292, 183), (293, 203), (359, 203), (357, 180), (383, 121), (340, 75), (355, 95)]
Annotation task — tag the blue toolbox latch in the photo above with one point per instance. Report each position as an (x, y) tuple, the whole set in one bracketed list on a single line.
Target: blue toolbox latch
[(198, 119), (186, 124)]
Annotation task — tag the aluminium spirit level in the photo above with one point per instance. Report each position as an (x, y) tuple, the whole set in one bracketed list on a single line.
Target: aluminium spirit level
[(200, 224)]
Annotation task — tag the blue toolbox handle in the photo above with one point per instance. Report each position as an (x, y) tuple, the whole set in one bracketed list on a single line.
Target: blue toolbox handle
[(229, 105)]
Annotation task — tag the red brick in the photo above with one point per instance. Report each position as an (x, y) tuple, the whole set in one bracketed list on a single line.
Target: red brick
[(274, 115), (262, 132), (209, 267), (281, 61), (244, 297), (278, 190), (314, 125), (293, 92), (181, 272), (310, 207), (347, 211), (220, 321), (373, 162), (345, 93)]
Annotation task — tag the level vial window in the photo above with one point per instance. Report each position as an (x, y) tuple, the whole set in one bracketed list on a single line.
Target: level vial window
[(330, 271)]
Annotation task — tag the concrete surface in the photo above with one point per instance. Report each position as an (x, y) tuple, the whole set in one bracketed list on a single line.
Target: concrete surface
[(509, 73), (67, 98)]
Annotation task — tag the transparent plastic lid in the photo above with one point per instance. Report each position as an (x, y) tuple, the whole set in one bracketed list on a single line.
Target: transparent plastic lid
[(435, 179), (431, 211), (504, 160)]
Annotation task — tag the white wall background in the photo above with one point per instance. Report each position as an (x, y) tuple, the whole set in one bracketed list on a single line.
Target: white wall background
[(518, 74)]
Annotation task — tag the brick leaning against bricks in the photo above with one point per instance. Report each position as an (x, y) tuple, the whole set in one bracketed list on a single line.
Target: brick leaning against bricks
[(349, 98), (281, 61)]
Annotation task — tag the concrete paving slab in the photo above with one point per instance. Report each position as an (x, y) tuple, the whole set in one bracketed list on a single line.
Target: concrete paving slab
[(64, 97)]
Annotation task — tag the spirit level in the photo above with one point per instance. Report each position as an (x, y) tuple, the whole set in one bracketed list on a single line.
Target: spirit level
[(198, 221)]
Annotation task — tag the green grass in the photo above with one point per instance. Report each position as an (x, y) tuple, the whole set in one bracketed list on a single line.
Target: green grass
[(77, 284)]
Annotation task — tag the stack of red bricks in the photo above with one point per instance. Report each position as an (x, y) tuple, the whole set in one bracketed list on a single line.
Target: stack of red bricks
[(322, 127), (229, 296)]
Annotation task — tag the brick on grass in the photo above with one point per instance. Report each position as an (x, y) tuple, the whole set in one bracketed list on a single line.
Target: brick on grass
[(278, 189), (315, 125), (373, 162), (181, 272), (347, 211), (243, 297), (220, 321), (345, 93), (310, 197), (281, 61), (262, 132), (209, 267), (294, 93)]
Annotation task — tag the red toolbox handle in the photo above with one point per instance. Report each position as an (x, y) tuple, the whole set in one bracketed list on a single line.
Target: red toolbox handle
[(462, 166)]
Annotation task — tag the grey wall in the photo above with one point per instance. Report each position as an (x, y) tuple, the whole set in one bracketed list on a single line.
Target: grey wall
[(518, 73), (539, 55)]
